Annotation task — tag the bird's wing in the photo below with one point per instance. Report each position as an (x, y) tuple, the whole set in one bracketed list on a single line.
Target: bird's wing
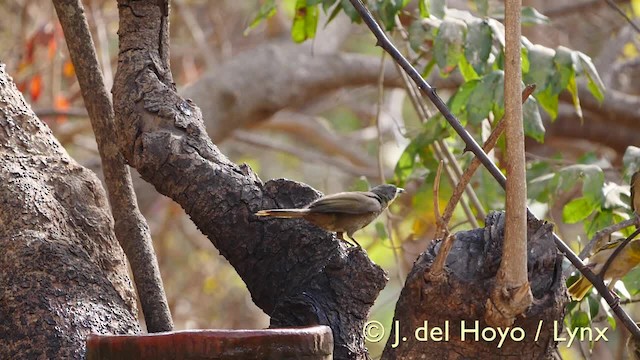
[(348, 202)]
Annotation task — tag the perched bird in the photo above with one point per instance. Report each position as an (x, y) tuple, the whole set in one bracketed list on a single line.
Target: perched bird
[(345, 212), (621, 265), (635, 195)]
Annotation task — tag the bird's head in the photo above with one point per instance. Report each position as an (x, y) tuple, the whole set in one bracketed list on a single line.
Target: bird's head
[(387, 192)]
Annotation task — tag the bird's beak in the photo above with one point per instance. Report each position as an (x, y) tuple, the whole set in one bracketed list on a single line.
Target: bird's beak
[(399, 191)]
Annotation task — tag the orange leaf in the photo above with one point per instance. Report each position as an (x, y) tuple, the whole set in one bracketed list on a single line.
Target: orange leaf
[(35, 87), (61, 103), (68, 70)]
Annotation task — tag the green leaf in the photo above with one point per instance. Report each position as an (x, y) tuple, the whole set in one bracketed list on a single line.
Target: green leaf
[(449, 43), (592, 178), (336, 10), (438, 8), (595, 84), (533, 126), (594, 307), (564, 65), (387, 11), (423, 8), (267, 10), (460, 99), (351, 12), (477, 47), (484, 96), (541, 68), (417, 35), (579, 319), (577, 210), (305, 21), (524, 55), (549, 102), (531, 16), (601, 220), (498, 31), (632, 281), (467, 71), (327, 4), (405, 165)]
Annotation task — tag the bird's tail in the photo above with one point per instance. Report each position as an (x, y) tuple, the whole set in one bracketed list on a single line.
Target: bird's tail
[(580, 288), (283, 213)]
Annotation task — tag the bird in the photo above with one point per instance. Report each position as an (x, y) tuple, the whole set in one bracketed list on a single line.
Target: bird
[(624, 262), (344, 212), (635, 196)]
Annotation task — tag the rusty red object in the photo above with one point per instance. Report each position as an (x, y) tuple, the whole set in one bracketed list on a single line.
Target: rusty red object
[(314, 342)]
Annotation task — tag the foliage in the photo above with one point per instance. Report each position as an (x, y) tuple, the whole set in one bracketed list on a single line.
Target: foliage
[(471, 45)]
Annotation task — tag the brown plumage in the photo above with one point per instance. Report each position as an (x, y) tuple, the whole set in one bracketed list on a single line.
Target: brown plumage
[(345, 212)]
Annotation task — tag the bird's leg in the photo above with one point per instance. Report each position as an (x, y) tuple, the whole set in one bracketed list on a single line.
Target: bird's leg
[(340, 235), (354, 240)]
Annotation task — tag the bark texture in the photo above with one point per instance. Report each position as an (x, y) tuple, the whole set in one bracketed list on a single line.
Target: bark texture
[(131, 228), (471, 269), (62, 273), (297, 273)]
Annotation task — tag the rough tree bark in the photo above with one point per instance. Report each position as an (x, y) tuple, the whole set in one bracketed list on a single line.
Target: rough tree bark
[(62, 273), (130, 228), (471, 269), (296, 273)]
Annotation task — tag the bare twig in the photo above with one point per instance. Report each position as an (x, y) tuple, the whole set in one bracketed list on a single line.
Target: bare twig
[(634, 220), (130, 227), (437, 269), (453, 180), (310, 131), (436, 195), (311, 156), (388, 223), (617, 8), (617, 251), (473, 146)]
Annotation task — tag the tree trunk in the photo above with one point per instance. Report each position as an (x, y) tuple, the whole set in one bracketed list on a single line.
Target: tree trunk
[(459, 301), (62, 273)]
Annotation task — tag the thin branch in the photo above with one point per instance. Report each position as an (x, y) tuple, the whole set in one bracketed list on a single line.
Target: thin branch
[(617, 8), (453, 180), (308, 129), (617, 251), (130, 227), (473, 146), (379, 103), (436, 193), (634, 220), (309, 156)]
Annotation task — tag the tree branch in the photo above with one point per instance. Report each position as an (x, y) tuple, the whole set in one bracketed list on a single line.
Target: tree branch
[(511, 295), (131, 228)]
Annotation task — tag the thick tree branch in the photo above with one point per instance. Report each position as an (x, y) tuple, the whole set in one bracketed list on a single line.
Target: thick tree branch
[(260, 82), (297, 273), (131, 228)]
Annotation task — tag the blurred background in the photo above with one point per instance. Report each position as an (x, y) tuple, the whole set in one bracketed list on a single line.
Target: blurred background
[(321, 113)]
